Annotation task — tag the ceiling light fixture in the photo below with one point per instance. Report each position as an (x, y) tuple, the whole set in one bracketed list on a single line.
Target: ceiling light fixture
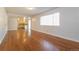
[(30, 8)]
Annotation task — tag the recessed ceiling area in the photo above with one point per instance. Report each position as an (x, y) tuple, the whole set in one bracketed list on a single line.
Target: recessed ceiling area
[(27, 12)]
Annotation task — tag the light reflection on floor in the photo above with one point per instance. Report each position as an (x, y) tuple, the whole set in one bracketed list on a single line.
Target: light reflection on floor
[(48, 46)]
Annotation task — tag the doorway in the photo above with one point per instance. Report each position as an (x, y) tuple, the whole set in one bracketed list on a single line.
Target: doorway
[(22, 23), (25, 24)]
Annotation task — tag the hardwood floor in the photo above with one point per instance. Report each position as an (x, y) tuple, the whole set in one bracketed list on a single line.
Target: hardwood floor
[(19, 41)]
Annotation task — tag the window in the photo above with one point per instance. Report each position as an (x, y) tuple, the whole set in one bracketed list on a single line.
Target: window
[(50, 20)]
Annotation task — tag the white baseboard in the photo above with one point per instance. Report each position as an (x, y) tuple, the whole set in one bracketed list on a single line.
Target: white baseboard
[(59, 36), (12, 29), (3, 37)]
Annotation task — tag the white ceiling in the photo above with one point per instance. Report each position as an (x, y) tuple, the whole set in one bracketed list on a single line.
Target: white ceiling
[(26, 12)]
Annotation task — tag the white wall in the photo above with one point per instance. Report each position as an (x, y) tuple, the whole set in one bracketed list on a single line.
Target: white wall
[(3, 23), (12, 23), (69, 23)]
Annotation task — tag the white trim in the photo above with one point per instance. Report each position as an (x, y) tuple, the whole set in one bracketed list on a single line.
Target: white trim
[(12, 29), (59, 36), (3, 37)]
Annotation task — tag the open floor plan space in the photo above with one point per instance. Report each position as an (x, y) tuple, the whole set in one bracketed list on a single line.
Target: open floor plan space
[(39, 28)]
